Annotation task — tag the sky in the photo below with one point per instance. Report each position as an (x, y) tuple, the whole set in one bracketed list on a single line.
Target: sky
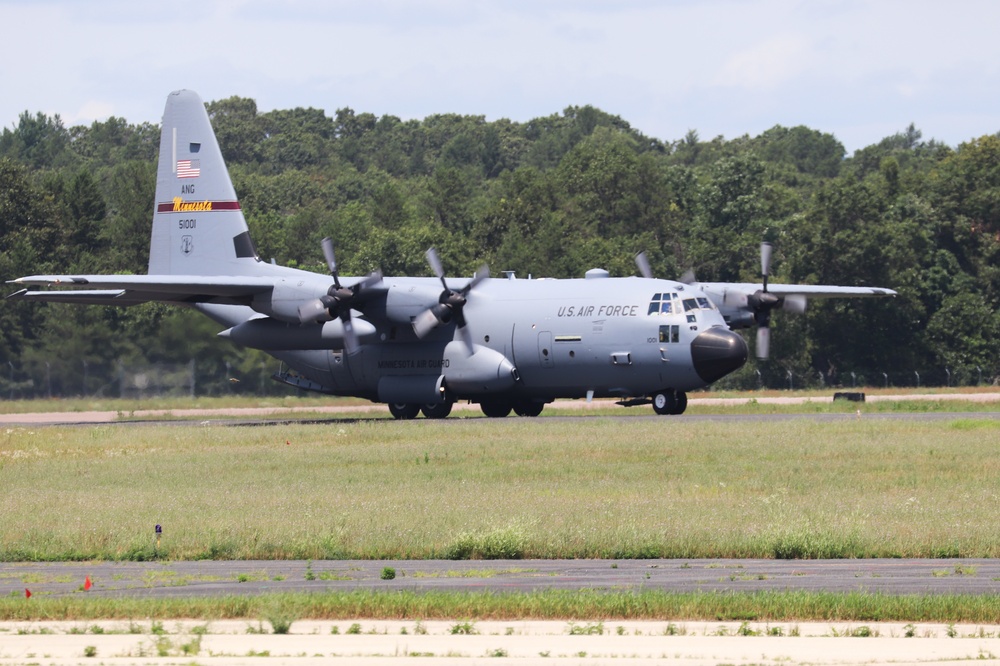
[(861, 70)]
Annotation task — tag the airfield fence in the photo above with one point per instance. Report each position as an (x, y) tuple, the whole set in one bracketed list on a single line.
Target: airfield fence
[(62, 378)]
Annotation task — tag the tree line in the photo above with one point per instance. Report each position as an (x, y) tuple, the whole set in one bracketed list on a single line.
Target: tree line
[(551, 197)]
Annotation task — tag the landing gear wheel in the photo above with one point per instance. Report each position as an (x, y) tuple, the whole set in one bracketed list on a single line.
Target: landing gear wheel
[(670, 402), (495, 409), (528, 408), (437, 410), (682, 402), (404, 411)]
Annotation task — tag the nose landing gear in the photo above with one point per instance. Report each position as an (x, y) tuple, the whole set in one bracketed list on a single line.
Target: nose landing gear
[(670, 402)]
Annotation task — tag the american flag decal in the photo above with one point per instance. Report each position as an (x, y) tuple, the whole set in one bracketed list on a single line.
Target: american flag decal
[(188, 168)]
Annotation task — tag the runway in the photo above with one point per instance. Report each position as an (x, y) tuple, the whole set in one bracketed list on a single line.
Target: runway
[(210, 578), (314, 414)]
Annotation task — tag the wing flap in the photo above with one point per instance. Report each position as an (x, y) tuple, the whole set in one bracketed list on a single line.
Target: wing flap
[(126, 290)]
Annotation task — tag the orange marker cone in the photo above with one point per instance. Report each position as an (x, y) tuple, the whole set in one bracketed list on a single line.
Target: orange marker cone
[(87, 584), (27, 593)]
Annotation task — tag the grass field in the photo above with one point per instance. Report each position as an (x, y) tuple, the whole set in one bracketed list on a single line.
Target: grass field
[(484, 488), (540, 605)]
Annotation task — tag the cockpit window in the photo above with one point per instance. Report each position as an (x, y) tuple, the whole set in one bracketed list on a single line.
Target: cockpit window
[(699, 303), (663, 304)]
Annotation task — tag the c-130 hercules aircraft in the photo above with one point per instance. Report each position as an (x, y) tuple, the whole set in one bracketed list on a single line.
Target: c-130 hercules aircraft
[(421, 344)]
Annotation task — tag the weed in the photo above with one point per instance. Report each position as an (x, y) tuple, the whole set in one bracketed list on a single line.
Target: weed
[(951, 631), (96, 629), (746, 630), (864, 631), (192, 647), (354, 629), (592, 629), (90, 651), (464, 628), (498, 652), (388, 573), (156, 627), (909, 631), (259, 629), (620, 630), (775, 631), (309, 571), (335, 630), (419, 628), (280, 619), (163, 646)]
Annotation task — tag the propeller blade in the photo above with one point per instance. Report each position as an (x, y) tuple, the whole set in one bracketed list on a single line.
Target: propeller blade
[(331, 260), (481, 274), (763, 342), (765, 260), (370, 280), (642, 263), (795, 303), (688, 277), (435, 262), (424, 323), (463, 332), (350, 336)]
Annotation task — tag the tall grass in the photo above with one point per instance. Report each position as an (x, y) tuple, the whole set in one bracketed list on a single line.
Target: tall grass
[(540, 605), (512, 488)]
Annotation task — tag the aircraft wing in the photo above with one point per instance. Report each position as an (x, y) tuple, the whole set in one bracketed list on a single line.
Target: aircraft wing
[(133, 289), (807, 290)]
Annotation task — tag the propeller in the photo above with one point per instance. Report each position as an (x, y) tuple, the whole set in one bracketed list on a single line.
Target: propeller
[(762, 302), (450, 304), (338, 300)]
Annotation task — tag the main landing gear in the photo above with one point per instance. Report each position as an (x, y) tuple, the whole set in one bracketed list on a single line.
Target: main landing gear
[(496, 409), (670, 402)]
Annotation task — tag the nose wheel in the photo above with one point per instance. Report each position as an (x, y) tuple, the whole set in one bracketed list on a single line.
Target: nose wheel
[(670, 402)]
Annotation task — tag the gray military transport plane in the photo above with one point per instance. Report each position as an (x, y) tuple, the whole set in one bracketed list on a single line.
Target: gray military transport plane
[(420, 344)]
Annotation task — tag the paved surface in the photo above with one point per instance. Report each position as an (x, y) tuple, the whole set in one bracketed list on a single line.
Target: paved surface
[(560, 642), (205, 578), (260, 414)]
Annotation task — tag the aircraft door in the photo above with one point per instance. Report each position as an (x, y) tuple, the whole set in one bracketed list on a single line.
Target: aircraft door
[(546, 357)]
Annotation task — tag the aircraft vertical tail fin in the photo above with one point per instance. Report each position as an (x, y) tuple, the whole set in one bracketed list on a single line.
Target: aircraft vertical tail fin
[(198, 226)]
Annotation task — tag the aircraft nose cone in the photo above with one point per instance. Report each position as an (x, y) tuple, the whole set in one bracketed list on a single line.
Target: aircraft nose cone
[(717, 352)]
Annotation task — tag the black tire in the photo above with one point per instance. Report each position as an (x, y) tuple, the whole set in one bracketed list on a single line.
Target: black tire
[(496, 409), (682, 402), (528, 408), (437, 410), (665, 402), (404, 411)]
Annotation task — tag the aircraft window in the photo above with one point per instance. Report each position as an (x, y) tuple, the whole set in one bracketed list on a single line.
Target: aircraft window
[(690, 304), (704, 302), (666, 307), (670, 333), (654, 307)]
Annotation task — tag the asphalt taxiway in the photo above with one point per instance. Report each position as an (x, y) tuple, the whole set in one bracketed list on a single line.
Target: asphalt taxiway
[(209, 578)]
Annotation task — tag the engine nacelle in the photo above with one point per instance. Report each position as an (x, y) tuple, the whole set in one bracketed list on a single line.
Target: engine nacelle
[(482, 372), (274, 335), (288, 295)]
